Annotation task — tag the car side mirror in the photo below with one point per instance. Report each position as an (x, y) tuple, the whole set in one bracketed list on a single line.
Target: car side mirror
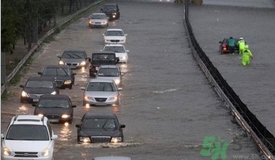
[(40, 73), (54, 137), (103, 34), (77, 125), (59, 57), (2, 136), (73, 106), (82, 88), (21, 86), (33, 104), (220, 41), (127, 51), (119, 89), (122, 126), (125, 35)]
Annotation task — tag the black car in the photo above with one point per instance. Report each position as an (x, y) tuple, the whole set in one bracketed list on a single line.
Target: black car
[(36, 87), (111, 10), (57, 108), (223, 47), (99, 128), (75, 59), (63, 75), (102, 58)]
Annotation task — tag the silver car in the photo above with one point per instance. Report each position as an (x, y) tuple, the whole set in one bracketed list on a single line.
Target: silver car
[(110, 72), (120, 50), (101, 92), (98, 20), (112, 158)]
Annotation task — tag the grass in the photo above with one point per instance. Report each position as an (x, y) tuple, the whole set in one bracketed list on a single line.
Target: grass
[(16, 79), (5, 96)]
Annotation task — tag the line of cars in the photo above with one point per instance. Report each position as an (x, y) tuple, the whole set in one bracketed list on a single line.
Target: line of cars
[(26, 132)]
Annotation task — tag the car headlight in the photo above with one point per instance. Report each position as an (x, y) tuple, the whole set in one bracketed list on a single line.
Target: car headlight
[(124, 57), (96, 68), (68, 82), (40, 115), (83, 63), (87, 98), (90, 21), (116, 139), (61, 63), (6, 152), (53, 93), (113, 98), (24, 94), (65, 116), (84, 139), (117, 81), (45, 153)]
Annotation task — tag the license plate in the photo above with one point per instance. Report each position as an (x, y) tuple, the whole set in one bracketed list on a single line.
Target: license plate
[(35, 100)]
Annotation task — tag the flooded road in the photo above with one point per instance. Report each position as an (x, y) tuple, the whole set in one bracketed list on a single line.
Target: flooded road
[(167, 104)]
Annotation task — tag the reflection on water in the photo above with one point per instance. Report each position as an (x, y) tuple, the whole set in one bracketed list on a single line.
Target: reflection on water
[(65, 133), (115, 109), (107, 145), (23, 108), (83, 70)]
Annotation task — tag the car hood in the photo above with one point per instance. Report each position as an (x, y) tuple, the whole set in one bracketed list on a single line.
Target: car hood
[(100, 132), (98, 20), (100, 94), (112, 78), (68, 77), (98, 63), (50, 110), (115, 37), (39, 90), (66, 60), (26, 146)]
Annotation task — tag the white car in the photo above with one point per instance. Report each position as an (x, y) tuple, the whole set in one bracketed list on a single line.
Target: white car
[(114, 36), (28, 137), (110, 72), (101, 92), (120, 50)]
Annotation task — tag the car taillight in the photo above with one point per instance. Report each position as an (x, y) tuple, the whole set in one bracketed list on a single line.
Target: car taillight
[(223, 47)]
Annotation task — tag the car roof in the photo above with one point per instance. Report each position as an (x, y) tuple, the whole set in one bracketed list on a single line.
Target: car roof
[(57, 96), (108, 66), (74, 50), (100, 80), (114, 29), (41, 78), (99, 115), (112, 158), (29, 119)]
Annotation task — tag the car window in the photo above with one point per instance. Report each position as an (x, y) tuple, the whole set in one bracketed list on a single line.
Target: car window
[(55, 72), (27, 132), (98, 16), (108, 72), (74, 55), (39, 84), (101, 86), (103, 57), (99, 123), (50, 103), (114, 33), (114, 49), (109, 7)]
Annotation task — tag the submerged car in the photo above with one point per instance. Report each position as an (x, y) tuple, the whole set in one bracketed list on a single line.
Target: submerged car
[(120, 51), (62, 75), (99, 128), (36, 87), (112, 158), (75, 59), (101, 92), (223, 47), (114, 36), (57, 108), (111, 10), (110, 72), (98, 20)]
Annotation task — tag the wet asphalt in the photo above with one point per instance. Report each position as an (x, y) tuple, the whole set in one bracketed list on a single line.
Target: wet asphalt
[(167, 104)]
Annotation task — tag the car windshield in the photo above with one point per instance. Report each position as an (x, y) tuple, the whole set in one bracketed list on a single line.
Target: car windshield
[(97, 16), (27, 132), (53, 71), (109, 7), (117, 49), (102, 57), (108, 72), (114, 33), (101, 86), (99, 123), (53, 103), (73, 55), (39, 84)]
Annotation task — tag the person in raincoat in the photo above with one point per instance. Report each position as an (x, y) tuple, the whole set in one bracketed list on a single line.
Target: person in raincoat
[(246, 56), (231, 45), (241, 44)]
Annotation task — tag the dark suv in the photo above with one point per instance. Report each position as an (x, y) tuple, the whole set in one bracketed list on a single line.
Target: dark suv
[(102, 58), (111, 10)]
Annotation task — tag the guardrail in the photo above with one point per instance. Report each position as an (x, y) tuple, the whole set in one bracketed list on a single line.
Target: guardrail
[(40, 42), (246, 119)]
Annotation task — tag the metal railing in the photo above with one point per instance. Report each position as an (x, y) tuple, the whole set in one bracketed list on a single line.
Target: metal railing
[(40, 42), (245, 118)]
